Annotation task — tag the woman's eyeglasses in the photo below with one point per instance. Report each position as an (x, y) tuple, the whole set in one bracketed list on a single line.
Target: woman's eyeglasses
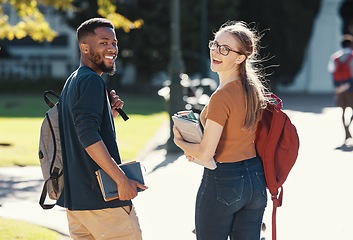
[(222, 49)]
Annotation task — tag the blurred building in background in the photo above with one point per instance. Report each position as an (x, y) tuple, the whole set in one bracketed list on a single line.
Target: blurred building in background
[(25, 58)]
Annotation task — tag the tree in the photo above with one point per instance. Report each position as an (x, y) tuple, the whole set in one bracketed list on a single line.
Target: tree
[(33, 24), (346, 13)]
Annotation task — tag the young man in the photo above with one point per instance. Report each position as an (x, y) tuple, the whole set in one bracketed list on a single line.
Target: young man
[(88, 142), (341, 68)]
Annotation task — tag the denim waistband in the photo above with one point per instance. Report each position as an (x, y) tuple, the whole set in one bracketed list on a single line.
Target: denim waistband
[(244, 163)]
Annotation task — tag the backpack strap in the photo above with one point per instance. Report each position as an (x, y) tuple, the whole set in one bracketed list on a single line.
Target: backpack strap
[(277, 125), (43, 196), (276, 203), (48, 100), (275, 131), (349, 58)]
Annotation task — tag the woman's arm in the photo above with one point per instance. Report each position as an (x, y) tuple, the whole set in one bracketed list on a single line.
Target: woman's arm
[(204, 150)]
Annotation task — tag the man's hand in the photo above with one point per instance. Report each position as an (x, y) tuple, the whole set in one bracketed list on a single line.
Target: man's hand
[(128, 189), (115, 103)]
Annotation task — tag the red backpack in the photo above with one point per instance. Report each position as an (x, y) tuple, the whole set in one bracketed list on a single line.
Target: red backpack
[(277, 144), (342, 69)]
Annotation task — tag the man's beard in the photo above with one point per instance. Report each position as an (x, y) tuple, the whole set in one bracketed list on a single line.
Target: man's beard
[(96, 59), (106, 69)]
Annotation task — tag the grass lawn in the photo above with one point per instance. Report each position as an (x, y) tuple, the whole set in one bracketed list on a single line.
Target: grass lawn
[(21, 117), (20, 120), (9, 230)]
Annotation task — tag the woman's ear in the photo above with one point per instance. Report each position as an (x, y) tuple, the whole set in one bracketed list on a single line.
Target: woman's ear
[(240, 59)]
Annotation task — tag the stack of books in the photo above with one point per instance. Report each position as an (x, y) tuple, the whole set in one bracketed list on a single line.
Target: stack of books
[(190, 129)]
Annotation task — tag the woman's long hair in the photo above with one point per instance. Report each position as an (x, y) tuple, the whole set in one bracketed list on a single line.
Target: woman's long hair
[(252, 77)]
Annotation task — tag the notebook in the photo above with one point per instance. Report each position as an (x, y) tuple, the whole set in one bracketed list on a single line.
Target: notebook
[(190, 129), (109, 188)]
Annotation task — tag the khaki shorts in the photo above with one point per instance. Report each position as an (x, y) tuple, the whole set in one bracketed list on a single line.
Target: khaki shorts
[(111, 223)]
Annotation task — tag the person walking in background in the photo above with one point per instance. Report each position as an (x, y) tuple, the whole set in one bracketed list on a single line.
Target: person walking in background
[(231, 199), (88, 142), (341, 68)]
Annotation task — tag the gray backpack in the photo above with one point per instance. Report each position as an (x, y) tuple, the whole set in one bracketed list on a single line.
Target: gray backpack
[(50, 153)]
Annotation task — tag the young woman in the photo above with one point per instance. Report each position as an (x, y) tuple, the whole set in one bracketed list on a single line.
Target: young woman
[(232, 198)]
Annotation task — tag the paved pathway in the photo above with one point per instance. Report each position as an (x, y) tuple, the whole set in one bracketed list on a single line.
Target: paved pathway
[(317, 200)]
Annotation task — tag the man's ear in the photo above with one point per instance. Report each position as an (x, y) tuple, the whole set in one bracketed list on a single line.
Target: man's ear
[(84, 48)]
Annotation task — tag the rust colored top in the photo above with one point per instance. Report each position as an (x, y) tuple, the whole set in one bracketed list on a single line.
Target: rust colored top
[(227, 107)]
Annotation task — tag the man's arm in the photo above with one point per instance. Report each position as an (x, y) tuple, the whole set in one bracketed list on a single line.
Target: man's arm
[(127, 188)]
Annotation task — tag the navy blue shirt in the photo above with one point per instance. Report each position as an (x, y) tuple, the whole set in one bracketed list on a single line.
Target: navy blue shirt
[(84, 119)]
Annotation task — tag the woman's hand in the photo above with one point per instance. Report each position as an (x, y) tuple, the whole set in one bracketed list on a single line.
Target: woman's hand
[(177, 136), (177, 139), (189, 157), (204, 150)]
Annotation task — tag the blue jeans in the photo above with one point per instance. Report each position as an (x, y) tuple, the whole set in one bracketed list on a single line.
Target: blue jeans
[(231, 201)]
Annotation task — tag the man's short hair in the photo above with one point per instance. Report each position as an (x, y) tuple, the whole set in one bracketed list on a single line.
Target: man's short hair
[(88, 27), (347, 41)]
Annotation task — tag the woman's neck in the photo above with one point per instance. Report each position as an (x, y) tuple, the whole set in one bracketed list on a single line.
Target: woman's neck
[(228, 76), (223, 80)]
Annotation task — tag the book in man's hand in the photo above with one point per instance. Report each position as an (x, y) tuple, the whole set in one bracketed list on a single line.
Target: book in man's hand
[(190, 129), (109, 188)]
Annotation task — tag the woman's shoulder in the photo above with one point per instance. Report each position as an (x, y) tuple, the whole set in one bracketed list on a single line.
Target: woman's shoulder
[(232, 90)]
